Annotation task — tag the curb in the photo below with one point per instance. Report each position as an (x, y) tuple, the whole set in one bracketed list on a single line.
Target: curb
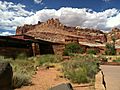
[(99, 81)]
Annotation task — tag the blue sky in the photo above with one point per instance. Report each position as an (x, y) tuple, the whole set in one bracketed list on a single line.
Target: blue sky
[(98, 14), (97, 5)]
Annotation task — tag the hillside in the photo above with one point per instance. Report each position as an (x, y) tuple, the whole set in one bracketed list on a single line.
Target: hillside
[(54, 31)]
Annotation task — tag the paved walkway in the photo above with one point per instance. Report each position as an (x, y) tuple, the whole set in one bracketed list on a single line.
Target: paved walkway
[(112, 76)]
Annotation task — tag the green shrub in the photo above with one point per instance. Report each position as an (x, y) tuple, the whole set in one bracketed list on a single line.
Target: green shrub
[(92, 51), (2, 57), (48, 59), (88, 57), (78, 76), (21, 56), (73, 48), (20, 79), (110, 49), (80, 71), (117, 60), (103, 58), (22, 70), (24, 66), (66, 52)]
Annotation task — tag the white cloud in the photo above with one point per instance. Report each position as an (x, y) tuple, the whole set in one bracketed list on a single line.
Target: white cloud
[(38, 1), (13, 15), (77, 17), (114, 21), (5, 33)]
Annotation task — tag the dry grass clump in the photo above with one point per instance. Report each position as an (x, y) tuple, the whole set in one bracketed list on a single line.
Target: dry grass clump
[(81, 70)]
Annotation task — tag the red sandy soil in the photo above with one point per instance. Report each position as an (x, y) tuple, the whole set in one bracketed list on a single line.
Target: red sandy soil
[(46, 78)]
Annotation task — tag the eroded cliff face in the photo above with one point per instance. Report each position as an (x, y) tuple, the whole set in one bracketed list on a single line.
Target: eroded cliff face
[(52, 30), (23, 29), (114, 34)]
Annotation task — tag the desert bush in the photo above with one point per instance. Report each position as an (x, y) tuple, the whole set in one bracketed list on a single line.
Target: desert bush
[(22, 71), (102, 58), (88, 57), (92, 51), (73, 48), (77, 76), (48, 59), (20, 79), (80, 71), (110, 49), (22, 56), (66, 52), (24, 66), (117, 60), (2, 57)]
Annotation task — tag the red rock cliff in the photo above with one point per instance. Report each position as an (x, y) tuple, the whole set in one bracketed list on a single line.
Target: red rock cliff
[(52, 30), (115, 33)]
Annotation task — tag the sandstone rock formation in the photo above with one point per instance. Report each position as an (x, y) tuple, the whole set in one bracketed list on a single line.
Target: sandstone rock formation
[(5, 76), (115, 33), (52, 30)]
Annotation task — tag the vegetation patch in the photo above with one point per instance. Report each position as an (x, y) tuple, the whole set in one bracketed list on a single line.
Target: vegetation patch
[(80, 71), (73, 48), (117, 60), (110, 49), (92, 51), (23, 69), (46, 59), (20, 79)]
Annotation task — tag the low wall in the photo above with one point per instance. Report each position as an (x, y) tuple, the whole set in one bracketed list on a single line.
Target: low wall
[(110, 63)]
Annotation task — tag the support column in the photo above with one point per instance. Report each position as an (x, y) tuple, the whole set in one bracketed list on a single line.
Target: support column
[(36, 49)]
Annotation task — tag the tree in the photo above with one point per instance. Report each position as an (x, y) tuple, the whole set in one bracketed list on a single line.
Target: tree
[(110, 49)]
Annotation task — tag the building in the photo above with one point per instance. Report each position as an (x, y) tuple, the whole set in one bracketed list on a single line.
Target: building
[(12, 46)]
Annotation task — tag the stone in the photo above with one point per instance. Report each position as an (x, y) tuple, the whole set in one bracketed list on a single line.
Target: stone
[(62, 86), (5, 76), (99, 78), (23, 29)]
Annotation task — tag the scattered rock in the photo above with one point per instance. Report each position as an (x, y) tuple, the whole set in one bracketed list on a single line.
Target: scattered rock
[(5, 76), (62, 86)]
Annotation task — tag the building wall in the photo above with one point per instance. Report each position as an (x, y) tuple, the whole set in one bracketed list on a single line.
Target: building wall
[(58, 48), (14, 51)]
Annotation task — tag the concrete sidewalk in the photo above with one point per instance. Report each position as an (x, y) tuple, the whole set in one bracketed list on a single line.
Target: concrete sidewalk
[(111, 76)]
